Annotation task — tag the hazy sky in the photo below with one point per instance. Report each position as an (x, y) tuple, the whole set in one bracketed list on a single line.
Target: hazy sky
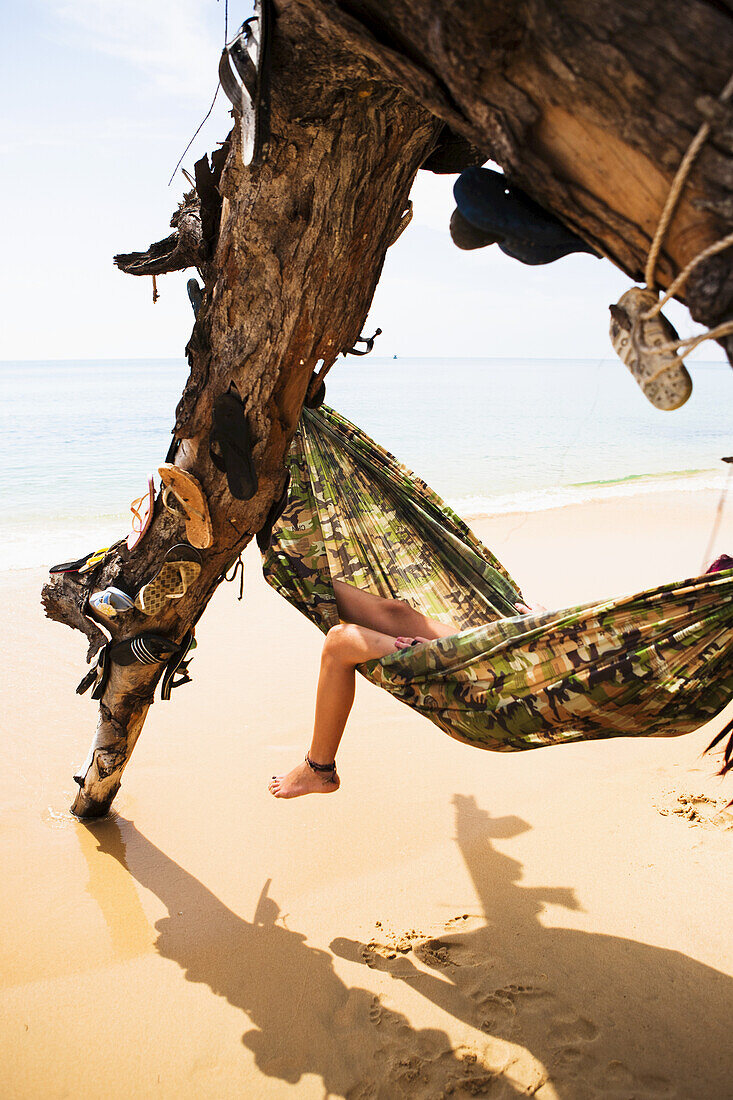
[(101, 98)]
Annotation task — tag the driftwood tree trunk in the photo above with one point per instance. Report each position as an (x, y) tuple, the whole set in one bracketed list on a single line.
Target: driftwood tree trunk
[(588, 105)]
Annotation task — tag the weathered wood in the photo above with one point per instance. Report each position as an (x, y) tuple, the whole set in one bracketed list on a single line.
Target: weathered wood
[(588, 105), (300, 245)]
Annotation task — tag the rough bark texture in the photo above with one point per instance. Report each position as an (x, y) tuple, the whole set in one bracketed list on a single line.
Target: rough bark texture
[(587, 105), (294, 252)]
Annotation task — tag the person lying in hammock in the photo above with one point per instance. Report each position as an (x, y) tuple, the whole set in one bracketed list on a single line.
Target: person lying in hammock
[(370, 627)]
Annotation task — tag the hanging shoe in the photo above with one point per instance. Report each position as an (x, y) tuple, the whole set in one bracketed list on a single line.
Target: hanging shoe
[(184, 497), (506, 215), (111, 602), (249, 51), (180, 569), (230, 444), (142, 515), (643, 344)]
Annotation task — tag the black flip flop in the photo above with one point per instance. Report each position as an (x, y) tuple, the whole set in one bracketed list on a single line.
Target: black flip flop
[(177, 664), (249, 51), (507, 215), (263, 537), (143, 649), (230, 444), (81, 564)]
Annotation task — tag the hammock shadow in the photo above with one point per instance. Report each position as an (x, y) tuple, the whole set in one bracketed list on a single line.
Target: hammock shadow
[(306, 1019), (601, 1013)]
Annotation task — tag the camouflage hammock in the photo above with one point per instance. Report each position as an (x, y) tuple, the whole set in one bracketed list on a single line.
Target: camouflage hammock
[(658, 663)]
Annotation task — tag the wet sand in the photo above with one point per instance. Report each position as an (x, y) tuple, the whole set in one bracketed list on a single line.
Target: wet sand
[(452, 922)]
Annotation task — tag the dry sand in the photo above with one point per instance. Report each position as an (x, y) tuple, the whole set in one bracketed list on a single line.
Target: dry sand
[(453, 922)]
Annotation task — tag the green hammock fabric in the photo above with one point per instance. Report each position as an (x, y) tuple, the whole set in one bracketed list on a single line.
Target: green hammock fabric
[(658, 663)]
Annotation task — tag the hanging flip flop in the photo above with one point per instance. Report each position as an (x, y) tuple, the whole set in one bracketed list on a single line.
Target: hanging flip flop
[(176, 671), (180, 569), (506, 215), (249, 51), (81, 565), (142, 515), (143, 649), (184, 497), (264, 535), (110, 602), (230, 444)]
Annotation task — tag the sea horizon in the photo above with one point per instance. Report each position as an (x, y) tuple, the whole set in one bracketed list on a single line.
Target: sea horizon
[(491, 435)]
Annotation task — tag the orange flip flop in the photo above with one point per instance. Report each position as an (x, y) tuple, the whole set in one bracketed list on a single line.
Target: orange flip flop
[(190, 503), (142, 514)]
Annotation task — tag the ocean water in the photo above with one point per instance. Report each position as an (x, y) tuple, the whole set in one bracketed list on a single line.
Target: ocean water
[(79, 439)]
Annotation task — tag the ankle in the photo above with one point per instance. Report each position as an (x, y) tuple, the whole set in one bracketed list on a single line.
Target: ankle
[(316, 764)]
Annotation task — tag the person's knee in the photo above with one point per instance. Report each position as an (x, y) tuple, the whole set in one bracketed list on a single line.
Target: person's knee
[(341, 641)]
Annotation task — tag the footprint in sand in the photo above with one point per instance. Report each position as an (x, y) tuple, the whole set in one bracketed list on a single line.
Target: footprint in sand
[(697, 809), (572, 1030), (616, 1080)]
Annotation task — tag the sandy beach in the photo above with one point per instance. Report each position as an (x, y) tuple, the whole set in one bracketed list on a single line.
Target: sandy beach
[(451, 923)]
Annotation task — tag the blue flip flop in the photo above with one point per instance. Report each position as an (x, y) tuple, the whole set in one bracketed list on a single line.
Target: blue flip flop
[(503, 214)]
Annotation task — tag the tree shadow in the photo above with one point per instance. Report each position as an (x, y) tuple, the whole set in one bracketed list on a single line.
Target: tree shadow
[(306, 1019), (606, 1016)]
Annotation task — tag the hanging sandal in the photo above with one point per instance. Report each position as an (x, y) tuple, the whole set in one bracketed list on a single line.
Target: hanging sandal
[(81, 565), (184, 497), (176, 670), (230, 444), (506, 215), (250, 53), (180, 569), (142, 515), (143, 649), (111, 602)]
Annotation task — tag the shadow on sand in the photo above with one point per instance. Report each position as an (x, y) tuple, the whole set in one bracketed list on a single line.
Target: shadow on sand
[(558, 1013)]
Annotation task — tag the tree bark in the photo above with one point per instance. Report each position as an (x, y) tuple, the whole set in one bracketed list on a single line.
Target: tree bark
[(588, 105), (294, 254)]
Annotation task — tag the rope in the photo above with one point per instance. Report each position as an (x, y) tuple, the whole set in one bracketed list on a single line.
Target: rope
[(681, 279), (676, 189), (211, 108), (687, 345)]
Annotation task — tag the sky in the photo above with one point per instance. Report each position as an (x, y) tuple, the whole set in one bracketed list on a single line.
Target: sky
[(102, 97)]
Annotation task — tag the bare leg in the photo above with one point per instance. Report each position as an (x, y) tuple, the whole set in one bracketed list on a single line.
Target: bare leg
[(393, 617), (346, 646)]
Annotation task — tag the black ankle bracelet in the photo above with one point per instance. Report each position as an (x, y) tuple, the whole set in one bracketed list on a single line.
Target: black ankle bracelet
[(320, 767)]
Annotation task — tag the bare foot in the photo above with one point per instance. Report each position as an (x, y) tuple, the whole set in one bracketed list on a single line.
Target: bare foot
[(407, 643), (303, 780)]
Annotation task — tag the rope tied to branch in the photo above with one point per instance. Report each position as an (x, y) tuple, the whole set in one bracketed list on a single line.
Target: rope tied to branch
[(675, 191), (641, 335)]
